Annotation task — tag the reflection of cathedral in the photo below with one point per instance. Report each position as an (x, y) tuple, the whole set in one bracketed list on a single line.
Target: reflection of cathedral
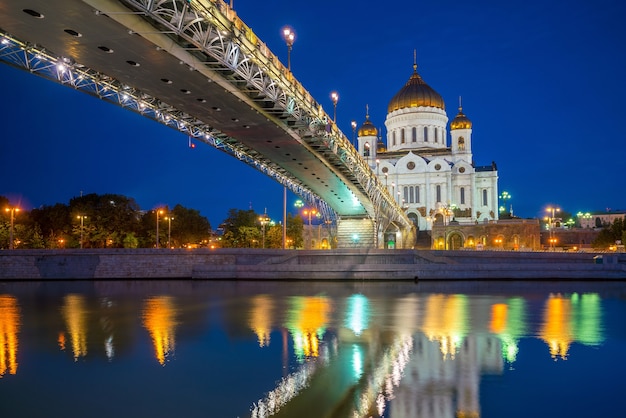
[(434, 181)]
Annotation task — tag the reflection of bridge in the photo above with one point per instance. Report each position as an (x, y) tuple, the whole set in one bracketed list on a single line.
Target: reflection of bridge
[(196, 67)]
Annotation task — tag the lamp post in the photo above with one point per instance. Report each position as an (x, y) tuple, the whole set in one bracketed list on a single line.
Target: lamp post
[(504, 196), (169, 231), (309, 212), (82, 228), (264, 219), (552, 210), (158, 212), (289, 36), (11, 210), (367, 153), (334, 96)]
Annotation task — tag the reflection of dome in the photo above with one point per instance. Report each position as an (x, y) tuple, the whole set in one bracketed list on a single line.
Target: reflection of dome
[(368, 128), (416, 93), (461, 121)]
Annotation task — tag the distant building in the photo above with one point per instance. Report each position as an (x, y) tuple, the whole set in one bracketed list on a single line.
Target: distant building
[(435, 182), (600, 219)]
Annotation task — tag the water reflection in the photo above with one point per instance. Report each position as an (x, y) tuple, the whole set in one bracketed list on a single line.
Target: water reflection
[(159, 318), (343, 353), (9, 329), (74, 311)]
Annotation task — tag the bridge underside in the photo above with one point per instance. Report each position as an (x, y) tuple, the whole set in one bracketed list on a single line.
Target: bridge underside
[(195, 68)]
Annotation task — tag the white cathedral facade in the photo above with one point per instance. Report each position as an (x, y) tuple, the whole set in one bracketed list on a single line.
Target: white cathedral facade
[(434, 182)]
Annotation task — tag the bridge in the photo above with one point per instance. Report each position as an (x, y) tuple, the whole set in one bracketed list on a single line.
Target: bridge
[(194, 66)]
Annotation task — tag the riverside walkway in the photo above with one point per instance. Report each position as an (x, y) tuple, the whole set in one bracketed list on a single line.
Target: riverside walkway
[(343, 264)]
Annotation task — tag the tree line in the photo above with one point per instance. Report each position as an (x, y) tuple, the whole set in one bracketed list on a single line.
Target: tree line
[(116, 221)]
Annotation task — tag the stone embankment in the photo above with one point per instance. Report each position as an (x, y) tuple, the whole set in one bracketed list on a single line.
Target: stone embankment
[(345, 264)]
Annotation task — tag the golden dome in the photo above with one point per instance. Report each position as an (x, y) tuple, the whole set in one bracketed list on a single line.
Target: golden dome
[(416, 93), (368, 128), (461, 121)]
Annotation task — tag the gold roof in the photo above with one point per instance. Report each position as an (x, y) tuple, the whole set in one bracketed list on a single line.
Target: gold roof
[(416, 93), (461, 121), (368, 128)]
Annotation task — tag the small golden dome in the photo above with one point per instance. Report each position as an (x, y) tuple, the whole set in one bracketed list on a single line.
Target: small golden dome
[(416, 93), (461, 121), (368, 128)]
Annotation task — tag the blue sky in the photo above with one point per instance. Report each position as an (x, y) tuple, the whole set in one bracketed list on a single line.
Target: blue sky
[(543, 83)]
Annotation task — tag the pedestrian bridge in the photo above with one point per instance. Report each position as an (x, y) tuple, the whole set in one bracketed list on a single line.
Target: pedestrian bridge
[(195, 66)]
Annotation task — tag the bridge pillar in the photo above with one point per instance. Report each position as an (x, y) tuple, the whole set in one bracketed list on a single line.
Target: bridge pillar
[(358, 232)]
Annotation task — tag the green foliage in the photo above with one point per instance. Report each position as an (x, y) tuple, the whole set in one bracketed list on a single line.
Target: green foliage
[(108, 220), (295, 226), (610, 234)]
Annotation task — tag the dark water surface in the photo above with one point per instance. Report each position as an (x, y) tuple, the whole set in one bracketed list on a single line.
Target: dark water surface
[(178, 348)]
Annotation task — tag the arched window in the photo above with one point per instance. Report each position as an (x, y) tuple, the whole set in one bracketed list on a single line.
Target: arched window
[(484, 197), (414, 134), (462, 195), (402, 139), (461, 143), (366, 150), (411, 194), (436, 135), (406, 194), (438, 193), (393, 137), (417, 194), (425, 134)]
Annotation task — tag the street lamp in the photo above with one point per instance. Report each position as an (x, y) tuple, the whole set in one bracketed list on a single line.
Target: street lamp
[(11, 210), (504, 196), (82, 224), (289, 36), (158, 212), (367, 153), (334, 96), (169, 231), (264, 219), (309, 212), (552, 210)]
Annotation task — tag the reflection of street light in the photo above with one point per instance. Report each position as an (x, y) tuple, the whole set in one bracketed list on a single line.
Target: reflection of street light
[(264, 219), (158, 212), (334, 96), (169, 231), (289, 36), (12, 210), (82, 219)]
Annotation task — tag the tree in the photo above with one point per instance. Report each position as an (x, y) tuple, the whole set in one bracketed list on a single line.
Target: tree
[(295, 226), (188, 227), (237, 228), (610, 234)]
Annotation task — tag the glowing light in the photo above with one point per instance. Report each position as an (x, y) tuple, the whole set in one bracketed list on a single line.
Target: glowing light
[(260, 318), (445, 322), (159, 318), (9, 329), (75, 315), (556, 329), (357, 314), (307, 319), (357, 361)]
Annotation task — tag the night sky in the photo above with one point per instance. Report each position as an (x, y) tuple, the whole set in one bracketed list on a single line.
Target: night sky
[(544, 83)]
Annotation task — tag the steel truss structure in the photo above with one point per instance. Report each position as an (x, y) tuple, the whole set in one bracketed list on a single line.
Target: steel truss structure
[(219, 40)]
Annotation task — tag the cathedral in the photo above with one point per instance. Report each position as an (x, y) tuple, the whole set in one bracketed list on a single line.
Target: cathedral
[(434, 180)]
